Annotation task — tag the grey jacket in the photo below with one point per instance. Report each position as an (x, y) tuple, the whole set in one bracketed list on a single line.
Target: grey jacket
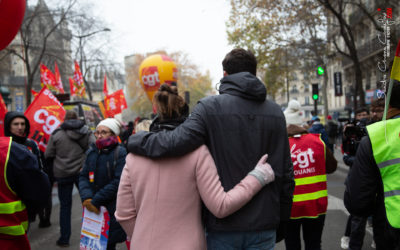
[(68, 145)]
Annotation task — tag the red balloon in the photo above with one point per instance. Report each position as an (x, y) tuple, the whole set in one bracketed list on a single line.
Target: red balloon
[(11, 17)]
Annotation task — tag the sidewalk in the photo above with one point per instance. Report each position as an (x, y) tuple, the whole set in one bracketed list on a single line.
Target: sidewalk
[(45, 238)]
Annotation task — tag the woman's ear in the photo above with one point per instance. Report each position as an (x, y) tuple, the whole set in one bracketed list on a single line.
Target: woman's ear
[(225, 74)]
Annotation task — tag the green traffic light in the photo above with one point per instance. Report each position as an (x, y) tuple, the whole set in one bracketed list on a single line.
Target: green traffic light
[(321, 70), (315, 97)]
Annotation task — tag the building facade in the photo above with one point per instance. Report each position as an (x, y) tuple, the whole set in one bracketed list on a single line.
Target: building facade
[(38, 21), (374, 51)]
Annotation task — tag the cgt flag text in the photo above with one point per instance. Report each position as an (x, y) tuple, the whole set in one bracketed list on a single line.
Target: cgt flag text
[(45, 115)]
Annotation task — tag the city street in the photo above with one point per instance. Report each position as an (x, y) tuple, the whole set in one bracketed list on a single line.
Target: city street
[(43, 239)]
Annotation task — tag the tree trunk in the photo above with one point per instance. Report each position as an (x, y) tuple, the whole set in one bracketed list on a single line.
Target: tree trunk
[(89, 89), (29, 82), (358, 90)]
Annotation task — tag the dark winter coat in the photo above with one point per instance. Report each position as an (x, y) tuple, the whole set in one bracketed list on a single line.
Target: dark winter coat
[(32, 146), (67, 145), (364, 196), (318, 128), (106, 166), (238, 126), (26, 179)]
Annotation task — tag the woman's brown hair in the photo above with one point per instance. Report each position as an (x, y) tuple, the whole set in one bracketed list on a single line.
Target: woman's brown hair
[(168, 103)]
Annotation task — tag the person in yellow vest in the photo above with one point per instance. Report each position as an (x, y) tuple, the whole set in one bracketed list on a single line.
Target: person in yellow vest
[(373, 183), (22, 184), (312, 160)]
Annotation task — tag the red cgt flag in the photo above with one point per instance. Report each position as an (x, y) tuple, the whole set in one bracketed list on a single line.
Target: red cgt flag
[(78, 81), (45, 115), (72, 87), (47, 78), (105, 89), (59, 86), (115, 103), (3, 111)]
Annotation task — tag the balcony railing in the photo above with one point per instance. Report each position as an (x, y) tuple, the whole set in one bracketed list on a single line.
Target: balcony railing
[(364, 51)]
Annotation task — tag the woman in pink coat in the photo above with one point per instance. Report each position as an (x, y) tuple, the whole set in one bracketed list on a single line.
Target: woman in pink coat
[(159, 200)]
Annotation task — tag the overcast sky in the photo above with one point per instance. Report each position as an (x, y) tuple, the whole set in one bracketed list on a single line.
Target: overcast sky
[(192, 26)]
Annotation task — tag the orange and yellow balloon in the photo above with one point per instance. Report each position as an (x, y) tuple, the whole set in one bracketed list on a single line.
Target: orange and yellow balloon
[(156, 70)]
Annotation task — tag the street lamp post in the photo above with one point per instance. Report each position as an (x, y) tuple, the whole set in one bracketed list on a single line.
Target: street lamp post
[(81, 56)]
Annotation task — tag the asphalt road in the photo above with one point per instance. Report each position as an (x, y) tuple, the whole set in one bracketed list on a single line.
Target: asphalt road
[(336, 217)]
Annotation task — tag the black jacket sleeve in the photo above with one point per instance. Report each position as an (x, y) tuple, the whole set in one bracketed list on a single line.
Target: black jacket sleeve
[(85, 191), (286, 193), (26, 179), (362, 181), (183, 139)]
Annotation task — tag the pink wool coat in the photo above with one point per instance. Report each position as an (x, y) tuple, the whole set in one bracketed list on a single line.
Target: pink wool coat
[(159, 200)]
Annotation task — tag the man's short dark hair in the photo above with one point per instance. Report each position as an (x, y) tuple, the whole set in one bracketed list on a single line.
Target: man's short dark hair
[(70, 115), (378, 103), (360, 110), (240, 60)]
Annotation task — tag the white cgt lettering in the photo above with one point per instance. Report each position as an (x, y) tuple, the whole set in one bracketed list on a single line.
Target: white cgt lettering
[(50, 122), (151, 80)]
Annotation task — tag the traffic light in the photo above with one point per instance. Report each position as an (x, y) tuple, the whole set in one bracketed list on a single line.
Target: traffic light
[(315, 92), (320, 71)]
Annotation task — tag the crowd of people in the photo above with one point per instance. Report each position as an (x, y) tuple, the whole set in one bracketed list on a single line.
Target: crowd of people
[(237, 173)]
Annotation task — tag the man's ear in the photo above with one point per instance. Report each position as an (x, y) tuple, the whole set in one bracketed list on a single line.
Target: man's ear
[(225, 74)]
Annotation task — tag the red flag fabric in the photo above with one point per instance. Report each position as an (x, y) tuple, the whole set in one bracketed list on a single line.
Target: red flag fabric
[(3, 111), (115, 103), (105, 89), (72, 87), (47, 78), (59, 85), (45, 114), (78, 81), (34, 93)]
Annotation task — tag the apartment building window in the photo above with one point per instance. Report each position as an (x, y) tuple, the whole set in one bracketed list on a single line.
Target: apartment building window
[(306, 87), (294, 89), (306, 100)]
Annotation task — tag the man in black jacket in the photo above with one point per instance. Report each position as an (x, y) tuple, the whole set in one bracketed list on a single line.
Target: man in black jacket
[(238, 126), (370, 187), (21, 180), (17, 126)]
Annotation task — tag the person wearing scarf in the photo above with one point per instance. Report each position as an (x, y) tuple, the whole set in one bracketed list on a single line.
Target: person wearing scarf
[(17, 126), (100, 176)]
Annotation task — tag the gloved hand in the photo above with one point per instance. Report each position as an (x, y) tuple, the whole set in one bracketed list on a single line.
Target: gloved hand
[(89, 206), (263, 171)]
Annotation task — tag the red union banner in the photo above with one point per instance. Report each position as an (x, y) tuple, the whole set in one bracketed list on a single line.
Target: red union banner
[(115, 103), (45, 115), (59, 86), (78, 81), (47, 77), (72, 87), (105, 89)]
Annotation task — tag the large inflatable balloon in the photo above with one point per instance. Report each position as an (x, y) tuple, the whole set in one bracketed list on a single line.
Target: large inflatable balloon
[(156, 70), (11, 17)]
